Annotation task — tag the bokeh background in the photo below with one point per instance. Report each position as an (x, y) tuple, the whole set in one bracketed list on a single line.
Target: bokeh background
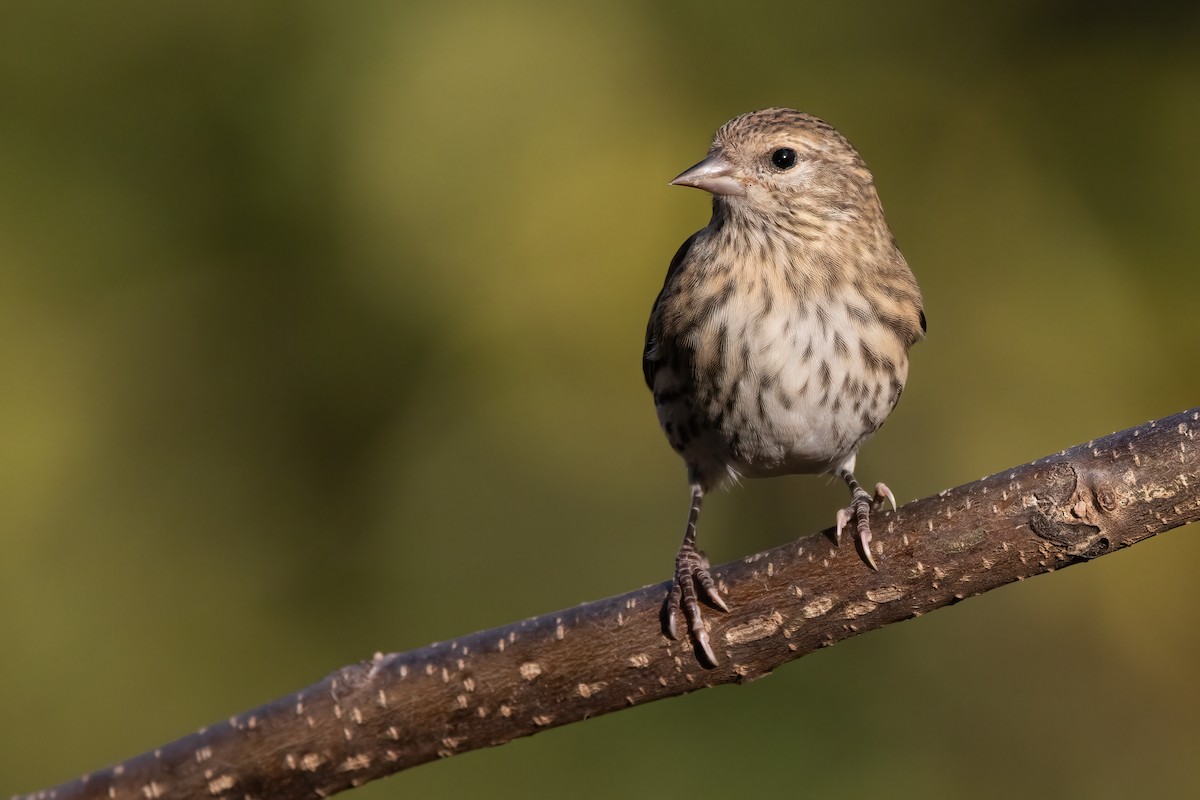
[(320, 327)]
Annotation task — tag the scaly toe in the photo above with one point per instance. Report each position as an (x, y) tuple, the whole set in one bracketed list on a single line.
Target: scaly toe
[(673, 600), (693, 582)]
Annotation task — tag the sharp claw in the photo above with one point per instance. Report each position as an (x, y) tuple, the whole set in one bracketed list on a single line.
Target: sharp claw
[(864, 539), (703, 646), (672, 623), (882, 492), (709, 587), (843, 517), (715, 598)]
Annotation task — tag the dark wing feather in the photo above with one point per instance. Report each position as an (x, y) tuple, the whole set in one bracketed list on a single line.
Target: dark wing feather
[(649, 360)]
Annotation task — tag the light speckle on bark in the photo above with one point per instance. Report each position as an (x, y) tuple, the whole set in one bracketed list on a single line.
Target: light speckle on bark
[(817, 608), (755, 629), (885, 594), (218, 786)]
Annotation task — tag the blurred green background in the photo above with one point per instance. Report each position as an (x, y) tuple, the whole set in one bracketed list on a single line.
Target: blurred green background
[(320, 327)]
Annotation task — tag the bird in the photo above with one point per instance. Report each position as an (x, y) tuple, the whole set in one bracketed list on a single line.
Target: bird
[(779, 342)]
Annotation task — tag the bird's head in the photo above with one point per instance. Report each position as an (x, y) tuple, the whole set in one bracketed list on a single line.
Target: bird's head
[(781, 158)]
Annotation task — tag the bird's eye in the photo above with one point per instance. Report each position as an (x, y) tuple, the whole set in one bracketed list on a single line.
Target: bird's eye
[(784, 158)]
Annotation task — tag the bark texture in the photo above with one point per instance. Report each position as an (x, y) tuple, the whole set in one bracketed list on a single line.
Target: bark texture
[(403, 709)]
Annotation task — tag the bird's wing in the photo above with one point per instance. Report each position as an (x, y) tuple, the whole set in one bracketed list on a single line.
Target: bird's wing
[(650, 354)]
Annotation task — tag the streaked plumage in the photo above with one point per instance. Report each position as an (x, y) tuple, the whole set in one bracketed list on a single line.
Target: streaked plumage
[(779, 342)]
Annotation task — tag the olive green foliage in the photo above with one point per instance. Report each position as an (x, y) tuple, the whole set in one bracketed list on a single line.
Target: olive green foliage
[(320, 328)]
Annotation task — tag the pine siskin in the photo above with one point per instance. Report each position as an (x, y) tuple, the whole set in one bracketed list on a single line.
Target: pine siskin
[(779, 342)]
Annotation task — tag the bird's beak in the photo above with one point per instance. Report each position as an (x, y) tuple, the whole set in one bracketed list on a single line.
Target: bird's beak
[(713, 174)]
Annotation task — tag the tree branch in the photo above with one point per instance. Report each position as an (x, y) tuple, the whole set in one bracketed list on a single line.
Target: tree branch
[(400, 710)]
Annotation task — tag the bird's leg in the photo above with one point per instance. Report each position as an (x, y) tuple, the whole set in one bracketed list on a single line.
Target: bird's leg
[(691, 571), (859, 511)]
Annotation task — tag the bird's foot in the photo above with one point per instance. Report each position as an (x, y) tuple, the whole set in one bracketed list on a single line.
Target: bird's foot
[(861, 505), (692, 580)]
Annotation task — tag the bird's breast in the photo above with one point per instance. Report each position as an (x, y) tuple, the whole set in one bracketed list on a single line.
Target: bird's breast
[(778, 383)]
